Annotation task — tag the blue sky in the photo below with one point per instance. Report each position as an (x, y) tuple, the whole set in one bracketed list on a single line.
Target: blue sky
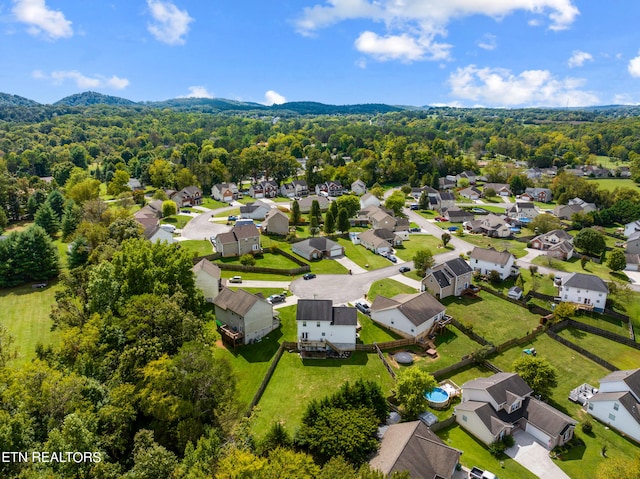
[(495, 53)]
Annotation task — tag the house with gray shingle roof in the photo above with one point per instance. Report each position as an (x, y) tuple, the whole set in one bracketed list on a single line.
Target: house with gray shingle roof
[(207, 279), (413, 447), (322, 326), (586, 291), (493, 407), (485, 260), (244, 239), (410, 315), (617, 402), (243, 317), (557, 244), (450, 278), (317, 248)]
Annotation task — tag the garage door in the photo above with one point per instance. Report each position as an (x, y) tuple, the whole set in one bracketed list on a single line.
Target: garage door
[(335, 252), (539, 436)]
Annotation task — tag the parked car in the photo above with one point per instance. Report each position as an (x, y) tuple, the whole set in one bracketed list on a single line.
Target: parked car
[(277, 298), (404, 269), (232, 218), (309, 276), (392, 258), (39, 285), (363, 307), (415, 229), (235, 279), (477, 473), (169, 228), (414, 206)]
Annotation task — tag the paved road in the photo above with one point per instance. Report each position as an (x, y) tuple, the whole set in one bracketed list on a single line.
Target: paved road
[(201, 228)]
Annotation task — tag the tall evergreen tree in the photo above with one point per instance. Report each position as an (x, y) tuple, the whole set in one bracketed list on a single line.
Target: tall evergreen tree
[(48, 219), (296, 215), (56, 201), (329, 223), (343, 221)]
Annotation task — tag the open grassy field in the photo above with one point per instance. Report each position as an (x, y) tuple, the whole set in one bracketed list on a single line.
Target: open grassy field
[(388, 288), (197, 247), (493, 318), (25, 314), (610, 184), (225, 214), (621, 356), (296, 382), (515, 247), (418, 242), (573, 266)]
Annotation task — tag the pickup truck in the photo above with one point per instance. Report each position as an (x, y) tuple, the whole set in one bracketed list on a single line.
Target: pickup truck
[(477, 473)]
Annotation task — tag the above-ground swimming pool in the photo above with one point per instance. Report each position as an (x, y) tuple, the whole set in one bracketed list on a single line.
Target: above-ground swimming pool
[(437, 397), (403, 358)]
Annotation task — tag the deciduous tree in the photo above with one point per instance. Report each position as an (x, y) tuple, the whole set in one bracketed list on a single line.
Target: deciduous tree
[(411, 385), (537, 373)]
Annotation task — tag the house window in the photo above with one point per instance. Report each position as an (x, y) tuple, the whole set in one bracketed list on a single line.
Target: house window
[(616, 406), (590, 407), (318, 324), (323, 333), (304, 324), (612, 417), (391, 321), (464, 418)]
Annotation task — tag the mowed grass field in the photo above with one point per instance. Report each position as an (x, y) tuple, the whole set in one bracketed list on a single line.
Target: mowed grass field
[(25, 314)]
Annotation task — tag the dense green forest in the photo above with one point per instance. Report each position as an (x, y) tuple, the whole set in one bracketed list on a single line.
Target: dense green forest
[(134, 377)]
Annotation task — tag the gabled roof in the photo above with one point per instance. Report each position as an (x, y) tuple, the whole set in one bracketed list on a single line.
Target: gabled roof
[(417, 308), (631, 377), (272, 213), (487, 415), (458, 266), (239, 302), (546, 418), (456, 212), (498, 385), (208, 267), (490, 255), (586, 281), (413, 447), (323, 310), (370, 237), (625, 398)]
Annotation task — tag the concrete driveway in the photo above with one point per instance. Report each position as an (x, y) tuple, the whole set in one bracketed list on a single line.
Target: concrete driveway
[(531, 455)]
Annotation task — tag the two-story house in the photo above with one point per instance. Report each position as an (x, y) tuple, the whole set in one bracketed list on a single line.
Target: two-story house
[(493, 407), (331, 188), (557, 243), (617, 402), (542, 195), (359, 187), (240, 240), (226, 192), (586, 291), (322, 327), (243, 317), (450, 278), (296, 188), (256, 210), (207, 277), (485, 260), (522, 211)]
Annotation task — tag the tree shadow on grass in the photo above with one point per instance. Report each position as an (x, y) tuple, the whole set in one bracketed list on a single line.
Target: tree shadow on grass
[(28, 288), (357, 358), (260, 352)]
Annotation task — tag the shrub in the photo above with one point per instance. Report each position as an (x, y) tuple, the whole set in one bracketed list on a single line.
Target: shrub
[(508, 441), (587, 426), (247, 260), (496, 448)]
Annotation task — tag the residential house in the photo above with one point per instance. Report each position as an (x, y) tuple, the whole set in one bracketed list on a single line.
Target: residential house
[(493, 407), (633, 262), (586, 291), (542, 195), (134, 184), (557, 243), (240, 240), (149, 217), (305, 203), (317, 248), (565, 212), (447, 200), (297, 188), (155, 234), (533, 173), (522, 211), (322, 326), (359, 187), (381, 219), (617, 402), (457, 215), (189, 196), (243, 317), (491, 225), (379, 240), (631, 228), (226, 192), (410, 315), (501, 189), (414, 448), (448, 279), (472, 193), (485, 260), (446, 183), (623, 172), (275, 222), (574, 171), (207, 279), (468, 175), (369, 199), (264, 189), (330, 188), (632, 245), (256, 210), (586, 207)]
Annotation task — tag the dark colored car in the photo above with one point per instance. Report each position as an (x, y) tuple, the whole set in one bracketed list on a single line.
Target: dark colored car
[(415, 229), (363, 307), (404, 269), (277, 298), (232, 218), (309, 276)]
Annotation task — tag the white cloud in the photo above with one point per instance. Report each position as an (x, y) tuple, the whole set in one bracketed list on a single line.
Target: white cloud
[(198, 92), (82, 81), (170, 23), (634, 67), (578, 58), (274, 98), (500, 87), (41, 19), (413, 25), (488, 42)]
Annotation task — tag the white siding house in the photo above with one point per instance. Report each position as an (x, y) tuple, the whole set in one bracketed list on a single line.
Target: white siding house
[(486, 260), (322, 326), (410, 315), (586, 291)]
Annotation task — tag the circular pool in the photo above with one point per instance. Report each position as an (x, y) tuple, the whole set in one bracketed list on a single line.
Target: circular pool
[(438, 398), (403, 358)]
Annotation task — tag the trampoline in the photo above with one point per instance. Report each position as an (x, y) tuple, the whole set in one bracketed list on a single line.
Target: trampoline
[(403, 358)]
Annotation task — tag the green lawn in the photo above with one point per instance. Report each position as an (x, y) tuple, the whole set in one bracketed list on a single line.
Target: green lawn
[(266, 292), (476, 454), (621, 356), (515, 247), (374, 333), (295, 382), (388, 288), (179, 221), (603, 322), (265, 260), (362, 256), (610, 184), (493, 318), (573, 266), (257, 276), (197, 247), (25, 314), (212, 204), (418, 242), (224, 214)]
